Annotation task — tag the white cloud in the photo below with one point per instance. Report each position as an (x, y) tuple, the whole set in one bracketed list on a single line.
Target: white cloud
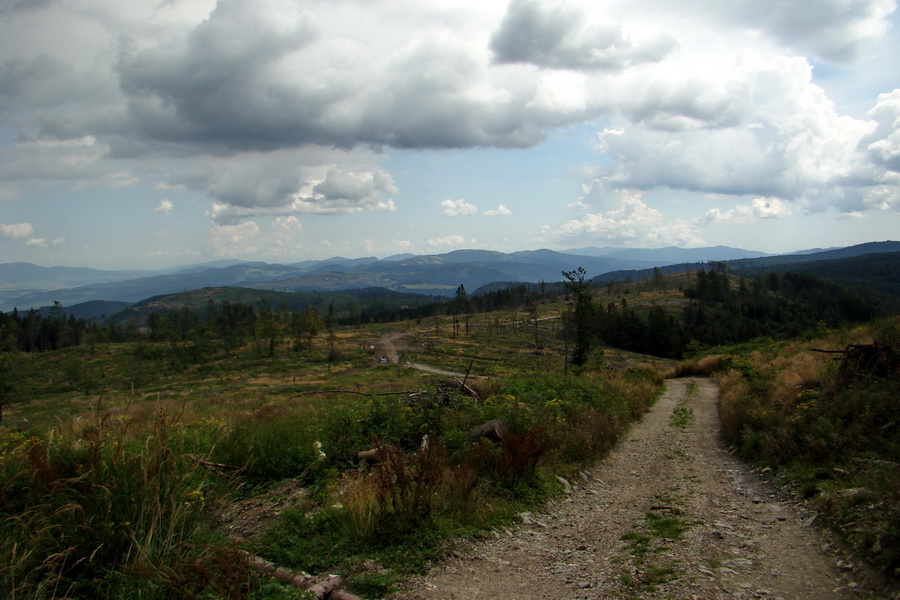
[(759, 208), (16, 231), (236, 240), (832, 30), (273, 108), (43, 243), (450, 240), (289, 182), (554, 35), (633, 223), (165, 207), (289, 225), (458, 208), (883, 144), (500, 211), (761, 129)]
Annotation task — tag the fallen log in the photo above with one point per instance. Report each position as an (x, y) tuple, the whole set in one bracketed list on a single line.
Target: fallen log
[(329, 589), (406, 393), (467, 390)]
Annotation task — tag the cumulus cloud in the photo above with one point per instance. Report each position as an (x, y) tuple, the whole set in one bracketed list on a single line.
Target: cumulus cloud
[(883, 144), (273, 108), (286, 182), (288, 225), (561, 36), (633, 223), (16, 231), (236, 240), (450, 240), (43, 243), (766, 130), (264, 75), (759, 208), (500, 211), (285, 237), (835, 30), (165, 207), (458, 208)]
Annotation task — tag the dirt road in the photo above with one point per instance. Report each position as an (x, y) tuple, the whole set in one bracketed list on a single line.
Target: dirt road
[(390, 346), (670, 514)]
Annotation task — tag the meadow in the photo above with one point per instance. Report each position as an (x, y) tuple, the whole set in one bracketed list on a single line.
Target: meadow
[(150, 469), (157, 467)]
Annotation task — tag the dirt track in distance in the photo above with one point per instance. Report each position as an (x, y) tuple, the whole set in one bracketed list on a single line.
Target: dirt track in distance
[(669, 514)]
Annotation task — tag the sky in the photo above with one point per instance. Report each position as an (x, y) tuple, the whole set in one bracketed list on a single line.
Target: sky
[(142, 134)]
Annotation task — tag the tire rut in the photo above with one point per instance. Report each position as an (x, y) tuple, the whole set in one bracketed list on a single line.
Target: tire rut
[(669, 514)]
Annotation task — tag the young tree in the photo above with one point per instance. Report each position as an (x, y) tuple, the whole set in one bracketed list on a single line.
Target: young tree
[(584, 315)]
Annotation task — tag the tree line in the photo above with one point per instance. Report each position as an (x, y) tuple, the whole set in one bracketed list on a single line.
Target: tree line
[(721, 310)]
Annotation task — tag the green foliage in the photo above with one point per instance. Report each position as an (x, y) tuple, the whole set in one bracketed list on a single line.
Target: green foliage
[(647, 544), (82, 513), (725, 310), (270, 449)]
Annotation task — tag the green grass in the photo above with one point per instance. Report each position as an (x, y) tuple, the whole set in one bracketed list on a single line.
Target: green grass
[(645, 545), (131, 450), (682, 417)]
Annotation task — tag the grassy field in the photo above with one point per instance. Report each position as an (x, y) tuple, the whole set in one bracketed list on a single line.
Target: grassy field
[(148, 470)]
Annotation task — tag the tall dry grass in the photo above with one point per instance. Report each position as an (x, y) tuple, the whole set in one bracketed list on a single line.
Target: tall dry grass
[(833, 434), (81, 514)]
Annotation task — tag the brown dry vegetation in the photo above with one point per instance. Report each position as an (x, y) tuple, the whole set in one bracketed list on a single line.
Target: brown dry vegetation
[(829, 435)]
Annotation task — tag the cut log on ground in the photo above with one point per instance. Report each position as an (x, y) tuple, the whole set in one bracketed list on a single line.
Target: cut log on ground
[(328, 589)]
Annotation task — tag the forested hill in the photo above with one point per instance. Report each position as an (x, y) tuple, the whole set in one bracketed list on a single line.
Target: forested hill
[(723, 309), (871, 272), (874, 268)]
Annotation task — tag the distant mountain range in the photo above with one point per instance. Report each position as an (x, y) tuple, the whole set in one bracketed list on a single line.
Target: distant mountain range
[(24, 285)]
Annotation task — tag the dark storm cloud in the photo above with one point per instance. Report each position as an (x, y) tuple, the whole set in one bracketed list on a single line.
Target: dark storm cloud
[(559, 37), (219, 85), (8, 7), (242, 81)]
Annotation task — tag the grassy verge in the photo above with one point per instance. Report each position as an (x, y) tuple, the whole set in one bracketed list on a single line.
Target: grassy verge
[(830, 432), (646, 546)]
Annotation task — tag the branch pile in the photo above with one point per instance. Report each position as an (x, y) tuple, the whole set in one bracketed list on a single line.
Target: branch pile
[(866, 360)]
